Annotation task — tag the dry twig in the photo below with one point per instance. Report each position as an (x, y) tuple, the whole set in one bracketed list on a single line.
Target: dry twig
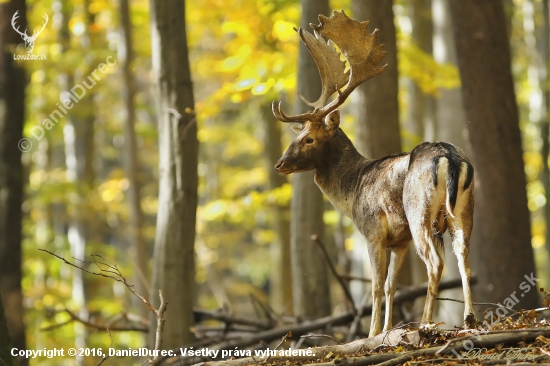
[(343, 284), (98, 327), (110, 270), (315, 335), (283, 340)]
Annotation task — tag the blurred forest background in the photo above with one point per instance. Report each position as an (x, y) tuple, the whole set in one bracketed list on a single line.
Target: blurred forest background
[(173, 181)]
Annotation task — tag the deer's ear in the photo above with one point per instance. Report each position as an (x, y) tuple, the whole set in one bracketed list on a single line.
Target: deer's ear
[(297, 127), (332, 121)]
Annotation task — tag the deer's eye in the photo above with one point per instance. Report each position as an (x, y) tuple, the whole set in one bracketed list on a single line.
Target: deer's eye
[(309, 140)]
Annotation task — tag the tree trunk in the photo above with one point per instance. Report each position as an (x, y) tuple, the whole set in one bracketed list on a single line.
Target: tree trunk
[(12, 117), (5, 341), (504, 243), (79, 134), (450, 120), (378, 127), (421, 121), (544, 75), (281, 278), (309, 273), (139, 247), (174, 262)]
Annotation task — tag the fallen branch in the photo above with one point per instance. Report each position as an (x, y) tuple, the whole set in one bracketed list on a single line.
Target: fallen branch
[(389, 338), (201, 315), (407, 294), (315, 335), (347, 277), (479, 303), (398, 358), (484, 341)]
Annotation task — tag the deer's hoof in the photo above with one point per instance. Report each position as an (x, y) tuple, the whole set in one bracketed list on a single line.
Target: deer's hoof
[(470, 321)]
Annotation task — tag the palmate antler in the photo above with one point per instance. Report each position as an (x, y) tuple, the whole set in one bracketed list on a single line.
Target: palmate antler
[(362, 51)]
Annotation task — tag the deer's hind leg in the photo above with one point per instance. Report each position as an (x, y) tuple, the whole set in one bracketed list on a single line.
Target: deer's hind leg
[(429, 246), (424, 207), (460, 227)]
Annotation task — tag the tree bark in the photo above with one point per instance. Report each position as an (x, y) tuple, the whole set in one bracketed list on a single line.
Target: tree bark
[(139, 247), (281, 278), (79, 135), (174, 262), (12, 116), (378, 127), (544, 74), (421, 120), (504, 243), (310, 288), (5, 341)]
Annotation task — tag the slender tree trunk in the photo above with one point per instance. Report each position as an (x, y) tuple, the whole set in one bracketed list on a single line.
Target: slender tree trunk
[(5, 341), (174, 262), (544, 75), (309, 274), (79, 133), (281, 277), (139, 247), (378, 132), (12, 117), (504, 244), (421, 120), (450, 120)]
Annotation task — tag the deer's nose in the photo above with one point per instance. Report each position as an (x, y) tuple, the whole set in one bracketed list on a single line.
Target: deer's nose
[(279, 164)]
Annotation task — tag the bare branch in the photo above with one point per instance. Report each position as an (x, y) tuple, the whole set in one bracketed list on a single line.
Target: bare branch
[(344, 286), (283, 340), (98, 327), (160, 326), (315, 335), (479, 303), (113, 273)]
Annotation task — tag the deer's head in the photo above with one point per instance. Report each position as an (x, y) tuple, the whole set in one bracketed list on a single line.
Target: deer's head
[(306, 151), (316, 127), (29, 40)]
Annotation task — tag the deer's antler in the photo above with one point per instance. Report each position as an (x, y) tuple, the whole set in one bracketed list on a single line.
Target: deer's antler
[(35, 33), (13, 19), (331, 68), (362, 51)]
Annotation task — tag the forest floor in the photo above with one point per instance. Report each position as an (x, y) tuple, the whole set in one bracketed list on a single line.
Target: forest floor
[(521, 341)]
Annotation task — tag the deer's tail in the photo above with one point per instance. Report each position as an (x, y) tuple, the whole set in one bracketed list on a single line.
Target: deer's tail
[(459, 171)]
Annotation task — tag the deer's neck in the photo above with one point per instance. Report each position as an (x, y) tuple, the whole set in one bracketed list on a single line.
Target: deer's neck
[(338, 172)]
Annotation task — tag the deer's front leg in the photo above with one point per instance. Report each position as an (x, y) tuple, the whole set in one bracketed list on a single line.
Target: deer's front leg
[(377, 254), (398, 255)]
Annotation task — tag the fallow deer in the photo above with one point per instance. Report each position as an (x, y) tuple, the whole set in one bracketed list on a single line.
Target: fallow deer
[(416, 195)]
